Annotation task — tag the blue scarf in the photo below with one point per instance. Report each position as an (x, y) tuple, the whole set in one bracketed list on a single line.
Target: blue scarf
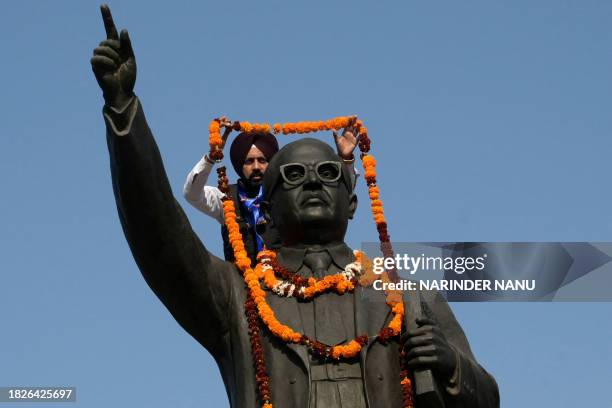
[(254, 215)]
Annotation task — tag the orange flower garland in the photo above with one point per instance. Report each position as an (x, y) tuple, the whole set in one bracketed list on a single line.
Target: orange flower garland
[(291, 284), (214, 130), (256, 305), (349, 350), (215, 140)]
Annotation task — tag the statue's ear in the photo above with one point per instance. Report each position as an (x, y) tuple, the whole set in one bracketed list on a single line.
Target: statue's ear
[(352, 205)]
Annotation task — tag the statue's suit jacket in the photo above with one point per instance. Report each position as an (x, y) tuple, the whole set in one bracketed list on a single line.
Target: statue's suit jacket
[(206, 295)]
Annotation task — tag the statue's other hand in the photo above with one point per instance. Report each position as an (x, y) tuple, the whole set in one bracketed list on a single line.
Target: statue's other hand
[(114, 64), (427, 348)]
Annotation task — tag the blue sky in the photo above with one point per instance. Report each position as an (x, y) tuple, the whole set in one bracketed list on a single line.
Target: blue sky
[(490, 121)]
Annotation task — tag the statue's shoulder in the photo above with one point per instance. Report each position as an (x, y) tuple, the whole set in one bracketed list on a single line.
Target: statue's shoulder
[(235, 279)]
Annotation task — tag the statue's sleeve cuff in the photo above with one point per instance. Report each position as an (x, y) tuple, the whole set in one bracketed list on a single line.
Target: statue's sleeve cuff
[(453, 387), (120, 120)]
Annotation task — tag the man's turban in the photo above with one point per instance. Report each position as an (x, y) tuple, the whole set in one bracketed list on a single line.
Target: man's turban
[(266, 142)]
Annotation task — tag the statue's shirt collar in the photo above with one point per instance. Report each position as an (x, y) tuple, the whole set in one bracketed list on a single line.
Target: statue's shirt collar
[(293, 257)]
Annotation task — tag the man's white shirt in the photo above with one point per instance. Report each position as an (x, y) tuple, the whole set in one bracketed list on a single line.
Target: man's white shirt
[(205, 198)]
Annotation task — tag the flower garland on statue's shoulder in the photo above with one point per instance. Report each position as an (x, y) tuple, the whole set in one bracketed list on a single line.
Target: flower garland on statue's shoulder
[(269, 274)]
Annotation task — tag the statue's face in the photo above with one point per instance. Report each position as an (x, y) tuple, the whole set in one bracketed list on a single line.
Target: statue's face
[(310, 195)]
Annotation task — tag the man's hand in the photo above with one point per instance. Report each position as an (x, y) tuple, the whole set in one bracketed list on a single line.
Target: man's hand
[(228, 126), (113, 64), (427, 348), (346, 143)]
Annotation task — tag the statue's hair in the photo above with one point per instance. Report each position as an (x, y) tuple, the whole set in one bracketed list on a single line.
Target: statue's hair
[(272, 174)]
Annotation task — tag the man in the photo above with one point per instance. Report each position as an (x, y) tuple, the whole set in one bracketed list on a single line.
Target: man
[(309, 197), (249, 154)]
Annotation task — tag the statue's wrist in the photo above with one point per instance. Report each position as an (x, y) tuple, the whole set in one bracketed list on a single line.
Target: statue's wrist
[(453, 381), (119, 101)]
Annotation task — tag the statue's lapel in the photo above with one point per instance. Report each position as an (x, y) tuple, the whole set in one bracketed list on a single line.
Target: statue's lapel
[(361, 319), (286, 308), (371, 315), (287, 312)]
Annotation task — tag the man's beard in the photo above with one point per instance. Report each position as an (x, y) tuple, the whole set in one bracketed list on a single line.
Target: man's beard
[(256, 178), (251, 185)]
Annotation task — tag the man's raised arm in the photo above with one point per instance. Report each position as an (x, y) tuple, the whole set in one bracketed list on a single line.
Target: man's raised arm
[(190, 281)]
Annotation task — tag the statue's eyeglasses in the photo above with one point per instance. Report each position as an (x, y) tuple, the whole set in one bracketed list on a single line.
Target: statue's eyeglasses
[(296, 173)]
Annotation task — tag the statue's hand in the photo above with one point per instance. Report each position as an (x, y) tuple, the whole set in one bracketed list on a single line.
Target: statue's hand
[(427, 348), (348, 141), (113, 63)]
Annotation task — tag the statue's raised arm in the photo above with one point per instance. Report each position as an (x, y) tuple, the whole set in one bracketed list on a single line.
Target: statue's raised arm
[(172, 259)]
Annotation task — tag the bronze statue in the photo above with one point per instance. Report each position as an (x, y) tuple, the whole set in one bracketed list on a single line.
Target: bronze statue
[(311, 209)]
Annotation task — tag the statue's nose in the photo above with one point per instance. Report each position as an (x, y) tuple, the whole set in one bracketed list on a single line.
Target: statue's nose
[(311, 177)]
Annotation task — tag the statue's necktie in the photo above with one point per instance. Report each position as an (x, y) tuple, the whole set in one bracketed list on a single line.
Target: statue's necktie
[(329, 326), (318, 262)]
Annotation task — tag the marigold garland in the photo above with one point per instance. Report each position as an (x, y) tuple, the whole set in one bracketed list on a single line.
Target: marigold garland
[(289, 284), (256, 307), (289, 335), (216, 142)]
